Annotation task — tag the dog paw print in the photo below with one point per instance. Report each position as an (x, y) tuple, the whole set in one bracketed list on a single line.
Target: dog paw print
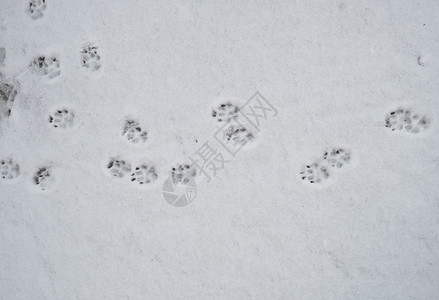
[(8, 92), (337, 158), (134, 133), (36, 8), (119, 168), (238, 135), (91, 60), (225, 112), (9, 169), (62, 118), (144, 174), (320, 172), (47, 66), (42, 178), (5, 112), (403, 120), (183, 174), (315, 173)]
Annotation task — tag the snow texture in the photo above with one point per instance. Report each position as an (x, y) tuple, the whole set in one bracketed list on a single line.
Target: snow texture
[(325, 188)]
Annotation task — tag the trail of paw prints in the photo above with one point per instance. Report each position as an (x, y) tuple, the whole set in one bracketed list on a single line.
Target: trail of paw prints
[(134, 133), (91, 60), (144, 174), (48, 67), (8, 92), (62, 118), (118, 168), (322, 171), (36, 9), (404, 120), (183, 173), (141, 174), (43, 178), (9, 169), (236, 131), (225, 112)]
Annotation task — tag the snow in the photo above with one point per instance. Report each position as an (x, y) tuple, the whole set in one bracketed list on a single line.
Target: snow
[(333, 70)]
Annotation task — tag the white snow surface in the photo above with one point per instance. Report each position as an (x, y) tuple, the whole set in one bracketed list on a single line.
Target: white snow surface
[(333, 69)]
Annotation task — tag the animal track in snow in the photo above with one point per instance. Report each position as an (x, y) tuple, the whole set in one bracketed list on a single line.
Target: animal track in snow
[(403, 120), (183, 174), (8, 92), (134, 133), (9, 169), (225, 112), (315, 173), (42, 178), (319, 173), (118, 167), (36, 8), (337, 158), (144, 174), (238, 134), (47, 66), (62, 118), (91, 60)]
